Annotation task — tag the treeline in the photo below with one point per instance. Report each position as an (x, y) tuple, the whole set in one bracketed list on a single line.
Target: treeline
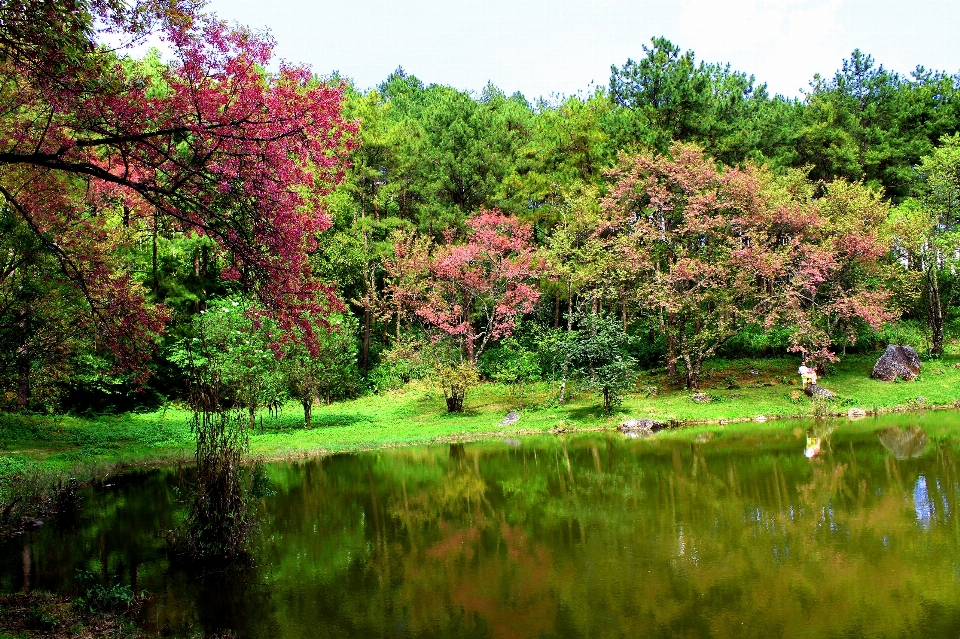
[(678, 214)]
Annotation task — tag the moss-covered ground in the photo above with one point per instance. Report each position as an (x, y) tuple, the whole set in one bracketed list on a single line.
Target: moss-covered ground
[(738, 389)]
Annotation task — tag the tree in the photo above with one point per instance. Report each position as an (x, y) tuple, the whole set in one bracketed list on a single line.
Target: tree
[(869, 123), (716, 249), (838, 281), (329, 371), (598, 354), (234, 353), (935, 247), (667, 96), (38, 320), (95, 145), (473, 292)]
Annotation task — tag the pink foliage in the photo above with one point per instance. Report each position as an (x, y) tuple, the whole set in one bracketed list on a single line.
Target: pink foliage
[(717, 248), (473, 291), (210, 142)]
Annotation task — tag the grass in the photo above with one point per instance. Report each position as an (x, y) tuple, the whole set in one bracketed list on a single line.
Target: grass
[(416, 414)]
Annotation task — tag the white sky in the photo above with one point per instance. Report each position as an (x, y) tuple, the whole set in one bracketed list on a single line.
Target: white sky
[(544, 47)]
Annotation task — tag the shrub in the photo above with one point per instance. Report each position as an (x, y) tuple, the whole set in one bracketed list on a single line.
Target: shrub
[(99, 598)]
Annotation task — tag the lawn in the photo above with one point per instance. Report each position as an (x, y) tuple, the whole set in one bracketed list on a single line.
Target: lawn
[(416, 414)]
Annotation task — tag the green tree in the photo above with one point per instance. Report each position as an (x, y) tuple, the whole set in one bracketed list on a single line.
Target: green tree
[(937, 248), (234, 352), (598, 354), (327, 372)]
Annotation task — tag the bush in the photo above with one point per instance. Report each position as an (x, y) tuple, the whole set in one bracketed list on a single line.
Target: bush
[(909, 332), (511, 363), (755, 341), (406, 360), (98, 598), (599, 357)]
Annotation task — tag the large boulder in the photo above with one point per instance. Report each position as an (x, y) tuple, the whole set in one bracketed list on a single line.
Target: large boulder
[(815, 391), (897, 361)]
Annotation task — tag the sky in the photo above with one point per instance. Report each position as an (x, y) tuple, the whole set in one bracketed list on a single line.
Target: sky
[(549, 48)]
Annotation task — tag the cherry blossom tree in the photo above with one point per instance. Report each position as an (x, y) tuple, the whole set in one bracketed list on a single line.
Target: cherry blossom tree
[(474, 291), (715, 249), (471, 293), (95, 145)]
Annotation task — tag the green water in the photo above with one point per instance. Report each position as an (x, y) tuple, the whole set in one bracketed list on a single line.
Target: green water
[(720, 533)]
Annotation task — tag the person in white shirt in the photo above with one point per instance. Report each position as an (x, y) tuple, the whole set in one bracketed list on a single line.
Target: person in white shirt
[(807, 375)]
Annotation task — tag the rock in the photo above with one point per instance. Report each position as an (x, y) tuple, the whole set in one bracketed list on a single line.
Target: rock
[(634, 425), (760, 418), (700, 398), (856, 413), (897, 362), (815, 391), (512, 418)]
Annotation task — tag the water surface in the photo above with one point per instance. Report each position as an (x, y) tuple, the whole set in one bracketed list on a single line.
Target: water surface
[(787, 529)]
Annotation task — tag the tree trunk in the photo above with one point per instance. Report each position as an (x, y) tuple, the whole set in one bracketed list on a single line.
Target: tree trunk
[(307, 406), (455, 400), (367, 320), (156, 276), (566, 355), (934, 313), (471, 337), (693, 372), (23, 377), (671, 345), (23, 363)]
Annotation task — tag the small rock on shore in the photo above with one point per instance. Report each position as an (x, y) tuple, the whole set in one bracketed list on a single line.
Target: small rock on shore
[(646, 425)]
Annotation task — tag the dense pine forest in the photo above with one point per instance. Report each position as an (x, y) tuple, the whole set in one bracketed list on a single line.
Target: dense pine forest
[(170, 223)]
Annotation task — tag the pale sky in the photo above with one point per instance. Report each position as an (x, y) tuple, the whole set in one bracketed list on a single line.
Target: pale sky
[(545, 47)]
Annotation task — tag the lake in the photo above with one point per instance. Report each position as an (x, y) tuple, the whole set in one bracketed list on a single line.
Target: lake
[(785, 529)]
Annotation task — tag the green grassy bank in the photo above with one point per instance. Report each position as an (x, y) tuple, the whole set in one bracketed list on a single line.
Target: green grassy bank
[(739, 390)]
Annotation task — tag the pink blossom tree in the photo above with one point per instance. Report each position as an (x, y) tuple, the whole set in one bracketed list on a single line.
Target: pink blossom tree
[(95, 145), (715, 249), (472, 292)]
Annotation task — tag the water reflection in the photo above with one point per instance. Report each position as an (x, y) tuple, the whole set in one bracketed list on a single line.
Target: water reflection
[(731, 535), (904, 443)]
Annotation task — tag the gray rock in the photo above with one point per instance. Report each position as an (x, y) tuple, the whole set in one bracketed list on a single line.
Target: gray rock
[(512, 418), (897, 361), (815, 391), (700, 398), (634, 425)]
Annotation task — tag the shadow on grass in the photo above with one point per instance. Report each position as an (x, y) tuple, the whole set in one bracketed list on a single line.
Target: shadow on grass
[(289, 423), (593, 412)]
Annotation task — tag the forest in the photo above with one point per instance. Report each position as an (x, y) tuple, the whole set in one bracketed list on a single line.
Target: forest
[(194, 226)]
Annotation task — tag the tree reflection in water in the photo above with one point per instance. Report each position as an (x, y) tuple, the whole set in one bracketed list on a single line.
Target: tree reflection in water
[(736, 534)]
